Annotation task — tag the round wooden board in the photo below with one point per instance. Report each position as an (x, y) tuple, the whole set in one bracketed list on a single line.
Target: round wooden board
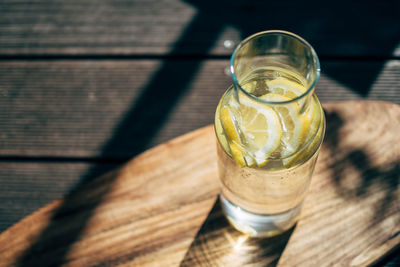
[(161, 208)]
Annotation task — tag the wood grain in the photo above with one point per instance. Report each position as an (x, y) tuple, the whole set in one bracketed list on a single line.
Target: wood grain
[(152, 27), (148, 180), (25, 186), (116, 109), (157, 209)]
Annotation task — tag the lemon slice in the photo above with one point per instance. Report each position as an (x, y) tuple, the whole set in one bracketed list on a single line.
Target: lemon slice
[(294, 124), (230, 146), (233, 139), (219, 130), (305, 153), (313, 137), (286, 88), (253, 131)]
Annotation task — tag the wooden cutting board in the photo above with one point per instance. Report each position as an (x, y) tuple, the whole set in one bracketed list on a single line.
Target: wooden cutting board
[(161, 208)]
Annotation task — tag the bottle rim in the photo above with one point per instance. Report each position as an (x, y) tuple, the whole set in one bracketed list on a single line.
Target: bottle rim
[(276, 32)]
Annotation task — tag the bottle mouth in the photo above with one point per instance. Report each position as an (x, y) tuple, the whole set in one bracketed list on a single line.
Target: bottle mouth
[(315, 62)]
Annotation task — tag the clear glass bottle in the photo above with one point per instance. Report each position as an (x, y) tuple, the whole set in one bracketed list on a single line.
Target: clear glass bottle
[(269, 126)]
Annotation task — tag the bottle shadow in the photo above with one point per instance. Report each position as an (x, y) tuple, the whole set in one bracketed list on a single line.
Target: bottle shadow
[(217, 243)]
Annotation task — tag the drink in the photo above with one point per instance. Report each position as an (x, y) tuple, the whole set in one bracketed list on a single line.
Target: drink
[(269, 127)]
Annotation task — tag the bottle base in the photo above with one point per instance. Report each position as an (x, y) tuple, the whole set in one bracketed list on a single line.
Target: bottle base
[(259, 225)]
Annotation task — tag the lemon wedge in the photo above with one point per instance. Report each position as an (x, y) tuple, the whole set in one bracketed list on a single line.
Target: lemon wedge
[(253, 131)]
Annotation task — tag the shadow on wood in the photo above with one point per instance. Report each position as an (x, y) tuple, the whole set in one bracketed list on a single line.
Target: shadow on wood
[(357, 173), (349, 159), (218, 244), (136, 130), (152, 216), (167, 86)]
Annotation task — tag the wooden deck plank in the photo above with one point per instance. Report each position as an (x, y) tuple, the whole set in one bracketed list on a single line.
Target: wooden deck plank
[(116, 109), (27, 186), (144, 27)]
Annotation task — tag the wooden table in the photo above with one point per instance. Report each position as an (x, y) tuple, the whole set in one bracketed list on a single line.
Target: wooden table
[(87, 85)]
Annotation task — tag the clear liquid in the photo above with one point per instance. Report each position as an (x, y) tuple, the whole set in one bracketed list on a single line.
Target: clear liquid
[(263, 191), (276, 190), (256, 82)]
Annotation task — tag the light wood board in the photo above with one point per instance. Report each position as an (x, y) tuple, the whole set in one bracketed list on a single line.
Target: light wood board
[(161, 208)]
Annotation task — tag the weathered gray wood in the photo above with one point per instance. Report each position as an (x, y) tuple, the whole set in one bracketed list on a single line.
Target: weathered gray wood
[(115, 109), (339, 28)]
